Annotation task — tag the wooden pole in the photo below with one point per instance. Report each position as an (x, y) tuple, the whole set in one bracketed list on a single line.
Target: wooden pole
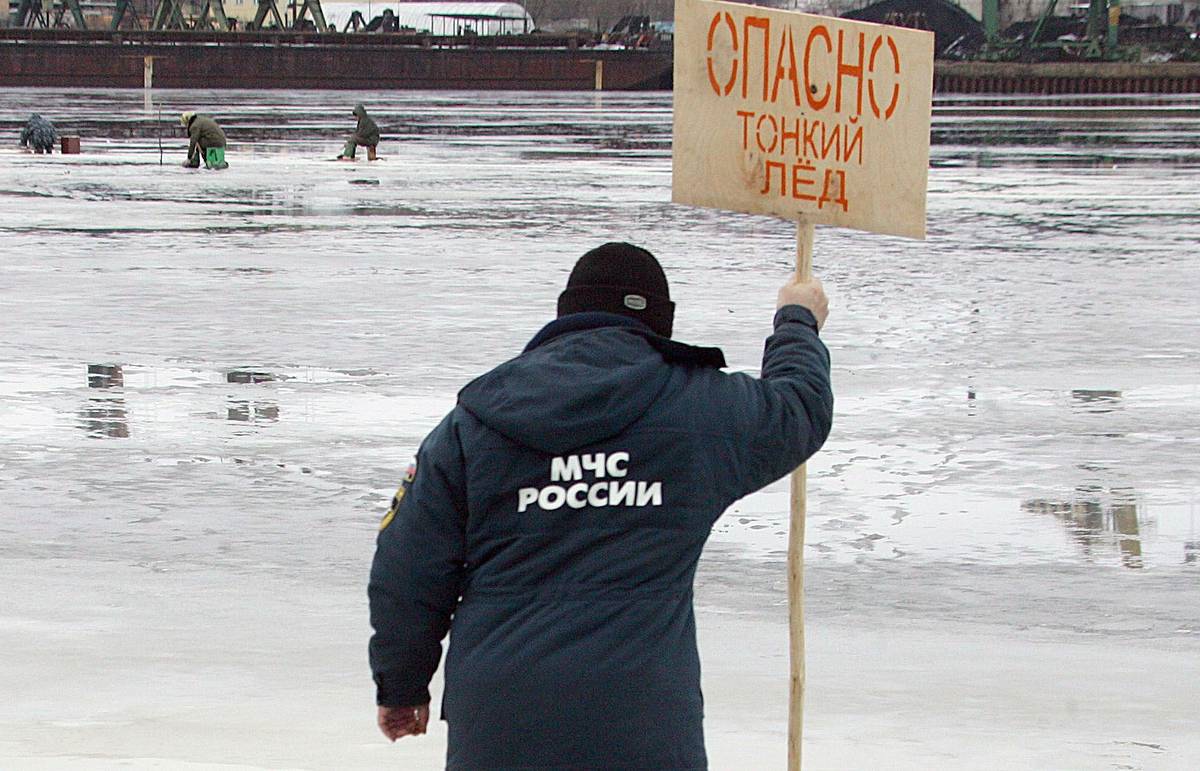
[(147, 80), (804, 251)]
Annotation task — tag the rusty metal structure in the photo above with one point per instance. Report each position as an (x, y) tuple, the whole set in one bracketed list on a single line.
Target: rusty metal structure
[(35, 13), (1066, 78), (300, 59), (307, 9), (170, 15)]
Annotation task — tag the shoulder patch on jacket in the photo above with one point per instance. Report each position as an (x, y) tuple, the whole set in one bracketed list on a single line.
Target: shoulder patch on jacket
[(409, 476)]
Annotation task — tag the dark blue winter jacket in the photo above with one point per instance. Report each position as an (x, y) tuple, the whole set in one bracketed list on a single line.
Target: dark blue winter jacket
[(553, 524)]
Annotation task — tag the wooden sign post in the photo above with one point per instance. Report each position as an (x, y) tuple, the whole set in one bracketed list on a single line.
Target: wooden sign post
[(814, 119)]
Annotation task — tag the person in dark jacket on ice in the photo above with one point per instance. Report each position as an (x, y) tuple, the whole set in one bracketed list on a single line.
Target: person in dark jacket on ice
[(206, 141), (366, 134), (39, 135), (552, 523)]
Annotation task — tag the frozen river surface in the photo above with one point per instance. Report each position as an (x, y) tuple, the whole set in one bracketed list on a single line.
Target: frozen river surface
[(1003, 545)]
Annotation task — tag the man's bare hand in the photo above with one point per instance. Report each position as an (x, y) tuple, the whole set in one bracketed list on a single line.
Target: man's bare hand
[(397, 722), (809, 294)]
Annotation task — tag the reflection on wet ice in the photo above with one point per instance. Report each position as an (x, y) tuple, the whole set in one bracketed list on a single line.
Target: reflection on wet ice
[(248, 376), (1094, 517), (105, 418), (244, 410), (252, 412), (1030, 297), (1096, 401), (105, 376)]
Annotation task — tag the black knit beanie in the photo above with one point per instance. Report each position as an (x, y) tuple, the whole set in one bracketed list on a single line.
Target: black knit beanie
[(620, 278)]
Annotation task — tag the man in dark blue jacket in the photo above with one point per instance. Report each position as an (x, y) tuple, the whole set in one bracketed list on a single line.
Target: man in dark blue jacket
[(553, 520)]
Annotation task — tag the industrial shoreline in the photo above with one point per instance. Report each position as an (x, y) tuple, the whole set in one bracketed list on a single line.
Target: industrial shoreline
[(307, 60), (1066, 77), (303, 60)]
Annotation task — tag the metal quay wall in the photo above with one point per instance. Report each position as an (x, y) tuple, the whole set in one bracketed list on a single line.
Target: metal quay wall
[(1066, 78), (75, 58), (185, 59)]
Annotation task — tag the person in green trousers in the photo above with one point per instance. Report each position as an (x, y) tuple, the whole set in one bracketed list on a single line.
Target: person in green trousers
[(366, 134), (206, 141)]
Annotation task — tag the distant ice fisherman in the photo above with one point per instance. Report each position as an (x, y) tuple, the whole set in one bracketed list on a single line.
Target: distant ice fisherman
[(206, 141), (366, 134), (39, 134)]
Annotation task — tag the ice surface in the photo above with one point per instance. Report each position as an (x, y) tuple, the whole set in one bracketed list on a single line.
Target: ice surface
[(1003, 541)]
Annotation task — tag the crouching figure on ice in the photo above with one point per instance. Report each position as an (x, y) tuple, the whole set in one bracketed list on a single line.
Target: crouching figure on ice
[(39, 135), (366, 134), (206, 141), (552, 523)]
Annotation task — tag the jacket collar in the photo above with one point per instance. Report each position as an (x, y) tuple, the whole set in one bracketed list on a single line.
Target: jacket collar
[(672, 351)]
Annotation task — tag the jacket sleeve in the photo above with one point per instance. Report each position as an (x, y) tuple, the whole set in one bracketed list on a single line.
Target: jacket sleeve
[(193, 140), (417, 572), (781, 419)]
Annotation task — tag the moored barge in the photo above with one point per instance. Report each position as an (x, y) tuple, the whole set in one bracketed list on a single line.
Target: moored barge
[(303, 59), (68, 58)]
